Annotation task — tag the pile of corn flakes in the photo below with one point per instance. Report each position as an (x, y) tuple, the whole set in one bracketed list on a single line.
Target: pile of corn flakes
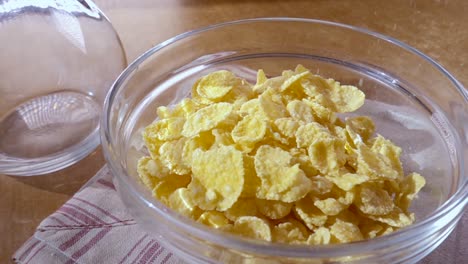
[(272, 161)]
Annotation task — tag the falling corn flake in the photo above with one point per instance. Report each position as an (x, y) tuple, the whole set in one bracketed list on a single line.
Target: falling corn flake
[(273, 161)]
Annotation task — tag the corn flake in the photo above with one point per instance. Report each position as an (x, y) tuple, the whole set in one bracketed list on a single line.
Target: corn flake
[(249, 130), (223, 184), (321, 236), (374, 201), (327, 155), (181, 201), (163, 189), (216, 85), (291, 231), (252, 227), (300, 111), (214, 219), (330, 206), (280, 181), (306, 211), (242, 207), (344, 232), (273, 209), (171, 153), (206, 119)]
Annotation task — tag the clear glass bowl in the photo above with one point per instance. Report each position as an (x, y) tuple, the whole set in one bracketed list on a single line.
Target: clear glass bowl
[(57, 61), (415, 103)]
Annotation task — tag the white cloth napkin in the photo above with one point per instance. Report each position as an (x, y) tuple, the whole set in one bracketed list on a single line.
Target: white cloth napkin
[(94, 227)]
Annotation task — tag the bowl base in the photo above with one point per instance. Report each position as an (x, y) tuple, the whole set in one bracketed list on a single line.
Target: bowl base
[(57, 129)]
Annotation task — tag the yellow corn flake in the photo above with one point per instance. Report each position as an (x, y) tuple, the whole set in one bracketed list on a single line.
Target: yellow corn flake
[(330, 206), (321, 236), (153, 145), (272, 106), (373, 165), (261, 77), (163, 112), (191, 145), (242, 207), (251, 181), (221, 173), (320, 185), (294, 79), (198, 98), (370, 228), (271, 83), (322, 114), (347, 181), (242, 94), (214, 219), (280, 181), (217, 84), (156, 168), (347, 199), (327, 155), (386, 231), (299, 156), (287, 126), (331, 94), (272, 161), (249, 130), (222, 137), (182, 110), (291, 231), (374, 201), (345, 98), (410, 187), (344, 232), (315, 86), (390, 153), (300, 111), (396, 218), (146, 176), (206, 119), (274, 138), (181, 201), (311, 132), (252, 227), (252, 107), (166, 129), (230, 122), (169, 185), (170, 154), (350, 217), (306, 211), (273, 209), (362, 125)]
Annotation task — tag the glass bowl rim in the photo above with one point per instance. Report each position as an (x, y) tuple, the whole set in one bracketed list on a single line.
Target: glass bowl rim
[(458, 198)]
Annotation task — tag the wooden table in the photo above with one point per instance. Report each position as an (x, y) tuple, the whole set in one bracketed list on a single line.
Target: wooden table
[(438, 28)]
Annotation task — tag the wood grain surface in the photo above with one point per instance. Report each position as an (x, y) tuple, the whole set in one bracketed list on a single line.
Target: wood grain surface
[(438, 28)]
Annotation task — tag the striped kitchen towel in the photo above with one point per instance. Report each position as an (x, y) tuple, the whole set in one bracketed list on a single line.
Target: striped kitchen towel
[(93, 227)]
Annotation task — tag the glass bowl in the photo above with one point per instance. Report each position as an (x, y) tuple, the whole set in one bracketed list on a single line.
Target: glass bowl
[(414, 101), (57, 62)]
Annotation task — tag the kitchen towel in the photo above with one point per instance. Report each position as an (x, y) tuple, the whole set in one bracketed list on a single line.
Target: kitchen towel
[(94, 227)]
